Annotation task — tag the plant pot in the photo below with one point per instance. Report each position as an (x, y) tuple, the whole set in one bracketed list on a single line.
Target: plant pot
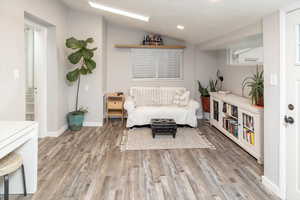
[(75, 120), (260, 102), (205, 104)]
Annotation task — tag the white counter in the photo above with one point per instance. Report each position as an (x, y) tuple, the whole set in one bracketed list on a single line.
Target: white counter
[(21, 137)]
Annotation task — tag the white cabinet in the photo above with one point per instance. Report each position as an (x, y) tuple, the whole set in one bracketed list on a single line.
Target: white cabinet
[(240, 121)]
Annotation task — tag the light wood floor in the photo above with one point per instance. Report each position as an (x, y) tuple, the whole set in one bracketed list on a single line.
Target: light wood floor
[(88, 165)]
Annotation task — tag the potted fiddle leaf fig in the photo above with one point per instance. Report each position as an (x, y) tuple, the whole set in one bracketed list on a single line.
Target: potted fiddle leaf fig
[(82, 60), (256, 85)]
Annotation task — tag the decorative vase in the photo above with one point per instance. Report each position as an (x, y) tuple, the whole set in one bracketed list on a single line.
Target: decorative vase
[(205, 104), (75, 120)]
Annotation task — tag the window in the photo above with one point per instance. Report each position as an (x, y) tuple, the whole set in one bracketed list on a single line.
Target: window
[(157, 63)]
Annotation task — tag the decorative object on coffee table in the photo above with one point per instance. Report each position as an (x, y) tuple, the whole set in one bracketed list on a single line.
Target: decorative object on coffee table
[(163, 127)]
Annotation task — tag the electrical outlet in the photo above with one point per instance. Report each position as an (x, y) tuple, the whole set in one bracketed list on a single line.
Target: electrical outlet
[(273, 80), (16, 73)]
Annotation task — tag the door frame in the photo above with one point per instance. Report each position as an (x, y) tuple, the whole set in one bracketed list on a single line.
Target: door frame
[(282, 144), (41, 75)]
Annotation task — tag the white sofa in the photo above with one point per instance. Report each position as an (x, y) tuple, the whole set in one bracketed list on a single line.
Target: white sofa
[(146, 103)]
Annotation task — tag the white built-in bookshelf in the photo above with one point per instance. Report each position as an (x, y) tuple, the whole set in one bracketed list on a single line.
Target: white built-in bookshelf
[(239, 120)]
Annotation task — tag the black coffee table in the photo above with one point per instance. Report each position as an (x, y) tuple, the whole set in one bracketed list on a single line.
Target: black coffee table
[(163, 127)]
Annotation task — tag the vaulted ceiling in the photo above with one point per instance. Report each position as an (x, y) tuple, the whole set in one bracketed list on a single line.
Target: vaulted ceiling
[(203, 19)]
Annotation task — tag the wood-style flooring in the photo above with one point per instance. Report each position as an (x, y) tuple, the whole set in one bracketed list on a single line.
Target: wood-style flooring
[(88, 165)]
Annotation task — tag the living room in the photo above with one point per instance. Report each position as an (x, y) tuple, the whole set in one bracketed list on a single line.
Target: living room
[(88, 108)]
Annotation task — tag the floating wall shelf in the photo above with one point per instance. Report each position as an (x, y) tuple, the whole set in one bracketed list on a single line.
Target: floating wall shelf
[(150, 46)]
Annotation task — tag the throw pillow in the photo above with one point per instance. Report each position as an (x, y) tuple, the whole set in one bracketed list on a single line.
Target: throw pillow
[(182, 99)]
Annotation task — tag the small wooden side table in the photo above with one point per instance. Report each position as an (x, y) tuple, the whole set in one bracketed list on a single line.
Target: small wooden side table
[(115, 106)]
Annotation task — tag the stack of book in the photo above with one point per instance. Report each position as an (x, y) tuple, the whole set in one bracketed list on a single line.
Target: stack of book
[(230, 110), (248, 122), (249, 136), (231, 126)]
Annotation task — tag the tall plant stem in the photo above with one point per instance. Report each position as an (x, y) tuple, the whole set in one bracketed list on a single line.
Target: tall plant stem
[(77, 94)]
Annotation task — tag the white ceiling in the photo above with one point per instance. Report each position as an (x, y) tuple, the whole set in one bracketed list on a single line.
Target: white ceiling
[(203, 19)]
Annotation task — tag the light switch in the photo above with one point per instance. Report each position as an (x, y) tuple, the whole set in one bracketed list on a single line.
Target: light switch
[(16, 74), (86, 88), (274, 80)]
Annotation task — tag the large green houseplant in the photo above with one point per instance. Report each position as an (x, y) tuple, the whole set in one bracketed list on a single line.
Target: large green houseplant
[(82, 59), (256, 85)]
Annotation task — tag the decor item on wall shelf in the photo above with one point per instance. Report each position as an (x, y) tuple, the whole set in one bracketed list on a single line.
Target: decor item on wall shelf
[(153, 39), (83, 58), (256, 85)]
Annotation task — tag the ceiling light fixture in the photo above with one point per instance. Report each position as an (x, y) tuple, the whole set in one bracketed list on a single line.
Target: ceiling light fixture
[(180, 27), (119, 12)]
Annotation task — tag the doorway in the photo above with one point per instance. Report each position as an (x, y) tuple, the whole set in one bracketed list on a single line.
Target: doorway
[(36, 74)]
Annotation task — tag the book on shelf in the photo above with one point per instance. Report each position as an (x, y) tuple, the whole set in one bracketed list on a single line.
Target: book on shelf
[(248, 122), (231, 125), (249, 136), (230, 110)]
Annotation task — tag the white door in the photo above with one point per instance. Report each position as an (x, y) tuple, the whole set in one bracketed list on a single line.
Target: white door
[(292, 118), (37, 75)]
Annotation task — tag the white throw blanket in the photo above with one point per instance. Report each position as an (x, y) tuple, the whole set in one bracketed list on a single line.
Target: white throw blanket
[(146, 103)]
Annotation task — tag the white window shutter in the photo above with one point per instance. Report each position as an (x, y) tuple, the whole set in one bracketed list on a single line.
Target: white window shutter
[(169, 64), (156, 63), (144, 65)]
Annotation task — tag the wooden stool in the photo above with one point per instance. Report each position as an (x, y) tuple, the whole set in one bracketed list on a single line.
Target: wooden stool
[(9, 164)]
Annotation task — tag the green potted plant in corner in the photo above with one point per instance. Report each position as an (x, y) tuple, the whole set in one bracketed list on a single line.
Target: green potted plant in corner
[(204, 92), (256, 85), (82, 59)]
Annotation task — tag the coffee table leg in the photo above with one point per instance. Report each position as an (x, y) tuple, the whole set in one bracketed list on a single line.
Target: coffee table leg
[(153, 133)]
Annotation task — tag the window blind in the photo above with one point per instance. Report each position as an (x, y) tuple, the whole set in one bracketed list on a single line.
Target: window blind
[(157, 63)]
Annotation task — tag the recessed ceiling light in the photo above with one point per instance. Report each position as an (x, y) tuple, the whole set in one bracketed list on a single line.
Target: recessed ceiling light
[(180, 27), (119, 12)]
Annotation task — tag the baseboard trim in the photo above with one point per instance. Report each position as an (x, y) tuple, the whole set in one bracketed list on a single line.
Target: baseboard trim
[(93, 124), (271, 186), (58, 132)]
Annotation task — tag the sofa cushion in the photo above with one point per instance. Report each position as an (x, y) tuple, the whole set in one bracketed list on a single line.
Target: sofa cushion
[(182, 99), (154, 96)]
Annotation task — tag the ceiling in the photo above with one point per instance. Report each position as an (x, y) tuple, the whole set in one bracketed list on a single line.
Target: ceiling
[(203, 19)]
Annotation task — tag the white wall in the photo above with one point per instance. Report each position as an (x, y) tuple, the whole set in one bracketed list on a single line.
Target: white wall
[(119, 62), (198, 65), (205, 68), (12, 101), (233, 37), (234, 75), (82, 26), (272, 97)]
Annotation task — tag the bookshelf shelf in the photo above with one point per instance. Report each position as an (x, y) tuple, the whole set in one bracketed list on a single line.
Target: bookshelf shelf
[(240, 121)]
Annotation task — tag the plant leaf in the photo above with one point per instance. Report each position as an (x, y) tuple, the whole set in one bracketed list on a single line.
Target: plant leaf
[(75, 57), (90, 64), (86, 53), (73, 75), (73, 43), (89, 40), (83, 70)]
